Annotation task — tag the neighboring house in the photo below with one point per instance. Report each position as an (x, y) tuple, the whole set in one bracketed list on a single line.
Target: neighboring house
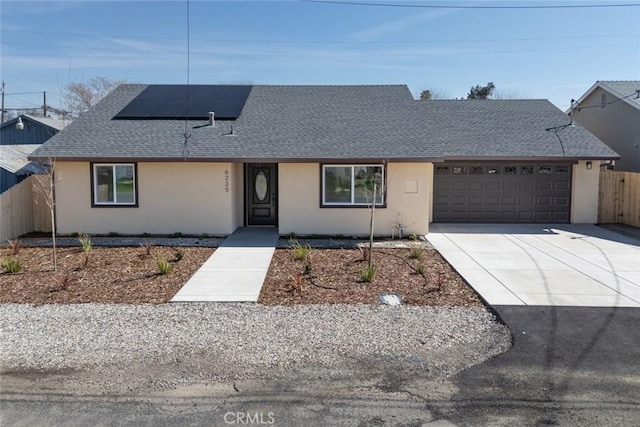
[(611, 111), (18, 142), (305, 158)]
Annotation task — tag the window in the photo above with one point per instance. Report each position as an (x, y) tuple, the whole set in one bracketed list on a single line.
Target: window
[(352, 185), (510, 170), (459, 170), (544, 169), (476, 170), (526, 170), (114, 184)]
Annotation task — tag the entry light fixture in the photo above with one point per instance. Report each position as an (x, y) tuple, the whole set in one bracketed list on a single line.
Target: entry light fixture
[(19, 124), (589, 165)]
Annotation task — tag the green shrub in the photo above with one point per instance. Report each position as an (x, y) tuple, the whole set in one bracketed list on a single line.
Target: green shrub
[(421, 269), (85, 242), (300, 252), (164, 267), (413, 237), (368, 274), (11, 264), (415, 253), (178, 255)]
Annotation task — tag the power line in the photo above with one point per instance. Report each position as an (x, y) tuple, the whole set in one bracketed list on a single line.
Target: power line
[(285, 41), (430, 6)]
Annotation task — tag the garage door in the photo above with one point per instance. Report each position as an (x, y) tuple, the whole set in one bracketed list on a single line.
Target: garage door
[(502, 193)]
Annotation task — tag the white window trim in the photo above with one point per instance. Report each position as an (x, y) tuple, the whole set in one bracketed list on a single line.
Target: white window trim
[(353, 202), (115, 193)]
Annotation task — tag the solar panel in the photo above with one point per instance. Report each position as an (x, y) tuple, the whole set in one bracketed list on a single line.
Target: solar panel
[(170, 102)]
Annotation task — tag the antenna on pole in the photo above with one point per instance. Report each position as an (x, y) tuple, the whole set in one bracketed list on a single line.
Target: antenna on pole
[(185, 150), (2, 120)]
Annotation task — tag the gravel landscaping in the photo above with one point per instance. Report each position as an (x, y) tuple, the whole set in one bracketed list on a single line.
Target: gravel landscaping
[(244, 341)]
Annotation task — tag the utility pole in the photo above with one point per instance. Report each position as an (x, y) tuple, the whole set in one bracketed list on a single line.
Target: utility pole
[(44, 105), (2, 120)]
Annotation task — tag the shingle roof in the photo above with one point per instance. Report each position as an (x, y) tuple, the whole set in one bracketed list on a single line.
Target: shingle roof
[(624, 90), (14, 159), (51, 122), (57, 124), (285, 123)]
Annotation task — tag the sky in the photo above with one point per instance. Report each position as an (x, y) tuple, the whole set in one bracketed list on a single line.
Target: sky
[(551, 53)]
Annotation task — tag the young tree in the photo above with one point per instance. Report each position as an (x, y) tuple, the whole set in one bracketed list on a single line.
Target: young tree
[(44, 186), (428, 94), (481, 92), (82, 96)]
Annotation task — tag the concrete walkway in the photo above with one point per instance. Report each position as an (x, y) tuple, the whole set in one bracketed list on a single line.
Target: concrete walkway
[(236, 270), (543, 265)]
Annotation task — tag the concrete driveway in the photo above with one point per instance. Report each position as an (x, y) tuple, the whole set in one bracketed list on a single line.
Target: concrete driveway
[(543, 265)]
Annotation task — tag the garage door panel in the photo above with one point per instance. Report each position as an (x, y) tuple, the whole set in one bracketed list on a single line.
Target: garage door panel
[(502, 193), (509, 200), (510, 186), (493, 186), (543, 185), (543, 201), (491, 200)]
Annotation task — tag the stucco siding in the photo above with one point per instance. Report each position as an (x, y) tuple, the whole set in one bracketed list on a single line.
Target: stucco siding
[(584, 193), (617, 125), (408, 199), (189, 198)]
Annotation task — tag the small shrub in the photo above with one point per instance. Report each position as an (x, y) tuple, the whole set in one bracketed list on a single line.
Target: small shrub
[(147, 246), (364, 252), (177, 234), (415, 253), (84, 261), (205, 235), (146, 235), (14, 246), (421, 269), (64, 280), (113, 234), (85, 242), (178, 255), (315, 236), (339, 236), (300, 252), (413, 237), (164, 267), (308, 267), (296, 286), (11, 264), (291, 235), (368, 274)]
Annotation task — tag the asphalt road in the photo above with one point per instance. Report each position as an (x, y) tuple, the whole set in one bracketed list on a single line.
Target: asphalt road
[(568, 366)]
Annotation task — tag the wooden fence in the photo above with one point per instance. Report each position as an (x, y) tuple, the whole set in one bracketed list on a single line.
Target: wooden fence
[(619, 198), (23, 210)]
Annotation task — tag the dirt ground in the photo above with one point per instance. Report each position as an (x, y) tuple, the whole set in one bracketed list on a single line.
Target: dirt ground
[(130, 275)]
